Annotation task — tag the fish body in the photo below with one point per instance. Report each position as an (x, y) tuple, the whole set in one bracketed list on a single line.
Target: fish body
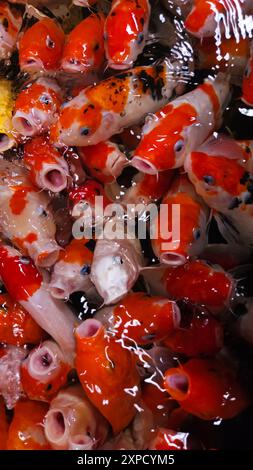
[(84, 46), (46, 166), (190, 224), (180, 126), (36, 107), (41, 46), (126, 30), (25, 217), (102, 110), (10, 24)]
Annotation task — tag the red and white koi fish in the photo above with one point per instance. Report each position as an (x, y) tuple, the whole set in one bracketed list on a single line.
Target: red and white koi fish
[(84, 199), (84, 46), (225, 185), (36, 107), (73, 423), (10, 24), (26, 430), (41, 46), (107, 371), (25, 284), (102, 110), (201, 283), (46, 166), (17, 327), (11, 358), (71, 273), (148, 188), (104, 161), (208, 16), (25, 217), (193, 221), (44, 372), (181, 126), (142, 318), (116, 266), (126, 30)]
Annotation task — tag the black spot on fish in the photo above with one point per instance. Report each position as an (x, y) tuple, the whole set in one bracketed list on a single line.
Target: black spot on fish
[(244, 178), (113, 13), (250, 187), (49, 387), (149, 83), (91, 245), (142, 21), (96, 47), (234, 203), (5, 24), (91, 106)]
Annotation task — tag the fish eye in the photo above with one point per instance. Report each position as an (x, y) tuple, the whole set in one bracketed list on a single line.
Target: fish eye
[(24, 260), (85, 269), (179, 145), (197, 234), (140, 38), (50, 43), (84, 131), (208, 179)]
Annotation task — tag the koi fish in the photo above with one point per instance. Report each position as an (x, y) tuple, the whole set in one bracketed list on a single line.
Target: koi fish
[(116, 266), (10, 24), (71, 272), (201, 283), (225, 185), (207, 388), (11, 358), (199, 332), (85, 199), (84, 46), (41, 47), (17, 327), (181, 126), (7, 137), (126, 30), (44, 372), (4, 426), (104, 161), (209, 16), (143, 319), (25, 217), (26, 431), (46, 166), (107, 371), (102, 110), (25, 284), (147, 188), (73, 423), (192, 222), (36, 107)]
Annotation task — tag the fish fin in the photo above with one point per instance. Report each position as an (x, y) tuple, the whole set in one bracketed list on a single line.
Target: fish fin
[(222, 145), (227, 228)]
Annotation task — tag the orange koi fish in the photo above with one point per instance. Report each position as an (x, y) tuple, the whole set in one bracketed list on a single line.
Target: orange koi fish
[(84, 47), (126, 30), (207, 388), (10, 23), (104, 161), (17, 327), (193, 219), (181, 126), (41, 46), (108, 374), (36, 107), (26, 430), (46, 166)]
